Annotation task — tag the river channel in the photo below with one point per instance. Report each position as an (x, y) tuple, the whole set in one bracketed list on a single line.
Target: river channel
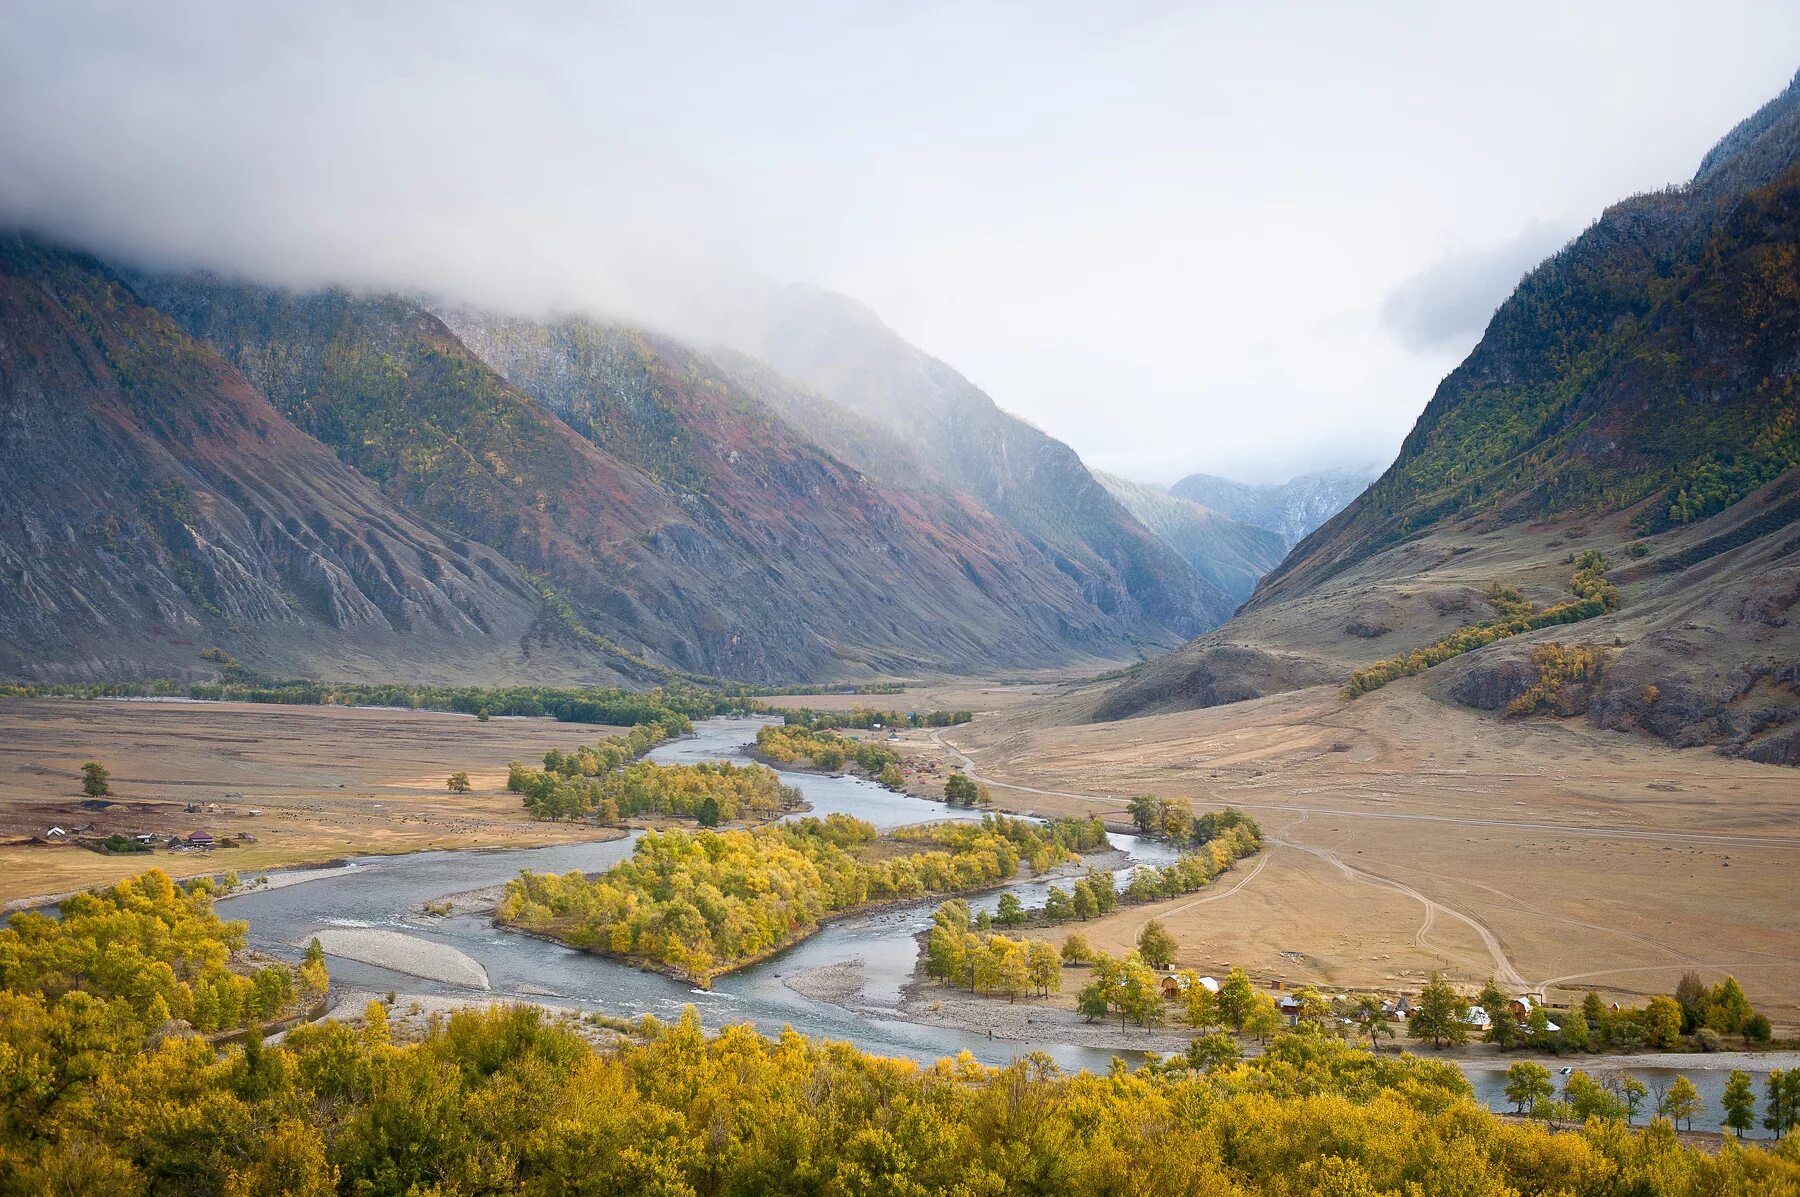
[(388, 892)]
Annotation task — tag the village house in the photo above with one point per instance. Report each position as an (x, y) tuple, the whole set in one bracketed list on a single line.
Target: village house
[(201, 839)]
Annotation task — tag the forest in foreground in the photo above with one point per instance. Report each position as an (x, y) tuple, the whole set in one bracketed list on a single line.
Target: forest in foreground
[(102, 1091)]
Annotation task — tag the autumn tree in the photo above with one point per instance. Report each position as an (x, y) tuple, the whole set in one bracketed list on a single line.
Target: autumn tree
[(1140, 995), (458, 782), (1202, 1004), (1263, 1022), (1045, 967), (1681, 1103), (1662, 1022), (1075, 949)]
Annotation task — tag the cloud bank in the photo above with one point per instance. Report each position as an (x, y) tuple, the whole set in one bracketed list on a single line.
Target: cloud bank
[(1178, 236)]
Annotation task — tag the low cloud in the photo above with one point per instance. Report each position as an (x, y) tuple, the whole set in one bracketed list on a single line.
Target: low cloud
[(1447, 305)]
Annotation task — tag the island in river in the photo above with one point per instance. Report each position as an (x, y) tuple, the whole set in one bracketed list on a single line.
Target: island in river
[(701, 904)]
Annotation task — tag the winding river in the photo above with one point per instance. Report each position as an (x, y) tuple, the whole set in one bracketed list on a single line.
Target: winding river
[(387, 893)]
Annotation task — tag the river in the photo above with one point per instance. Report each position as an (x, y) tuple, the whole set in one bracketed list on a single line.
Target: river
[(387, 893)]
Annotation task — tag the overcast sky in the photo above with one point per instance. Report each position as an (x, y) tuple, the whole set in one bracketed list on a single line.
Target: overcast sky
[(1244, 238)]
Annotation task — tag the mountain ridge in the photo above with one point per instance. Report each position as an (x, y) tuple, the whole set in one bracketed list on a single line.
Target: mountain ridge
[(1638, 396)]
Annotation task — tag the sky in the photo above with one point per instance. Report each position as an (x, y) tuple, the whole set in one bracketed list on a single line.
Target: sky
[(1246, 239)]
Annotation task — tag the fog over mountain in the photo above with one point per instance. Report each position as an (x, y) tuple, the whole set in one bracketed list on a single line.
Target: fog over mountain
[(1172, 236)]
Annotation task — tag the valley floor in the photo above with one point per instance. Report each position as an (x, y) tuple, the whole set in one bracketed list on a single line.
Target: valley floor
[(1407, 836), (324, 782)]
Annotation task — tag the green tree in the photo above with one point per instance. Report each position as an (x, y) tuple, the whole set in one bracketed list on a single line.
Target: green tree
[(1236, 996), (1145, 811), (1681, 1103), (1781, 1109), (1208, 1052), (1739, 1101), (1372, 1021), (1632, 1093), (960, 790), (1099, 995), (1105, 888), (1085, 906), (1757, 1029), (1140, 995), (1439, 1014), (1156, 945), (1058, 908), (1503, 1025), (1574, 1033), (1588, 1098), (1599, 1020), (1010, 912), (1728, 1006), (1528, 1083), (95, 780), (708, 813), (458, 782)]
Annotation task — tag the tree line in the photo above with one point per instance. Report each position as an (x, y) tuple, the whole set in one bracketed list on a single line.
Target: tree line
[(588, 704), (1698, 1015), (1515, 614), (868, 717), (503, 1101)]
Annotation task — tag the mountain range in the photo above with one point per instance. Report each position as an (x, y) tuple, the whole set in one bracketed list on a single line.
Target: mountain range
[(1231, 554), (1291, 509), (379, 486), (1637, 397)]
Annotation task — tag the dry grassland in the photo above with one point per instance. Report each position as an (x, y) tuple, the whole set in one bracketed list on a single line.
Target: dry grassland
[(328, 781)]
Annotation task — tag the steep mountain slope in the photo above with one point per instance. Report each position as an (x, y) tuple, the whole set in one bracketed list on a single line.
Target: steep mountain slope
[(1032, 481), (668, 516), (695, 424), (1290, 509), (1229, 554), (156, 505), (1639, 394)]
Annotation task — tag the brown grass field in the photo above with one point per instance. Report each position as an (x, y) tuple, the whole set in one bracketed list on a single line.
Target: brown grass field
[(328, 781), (1406, 836)]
